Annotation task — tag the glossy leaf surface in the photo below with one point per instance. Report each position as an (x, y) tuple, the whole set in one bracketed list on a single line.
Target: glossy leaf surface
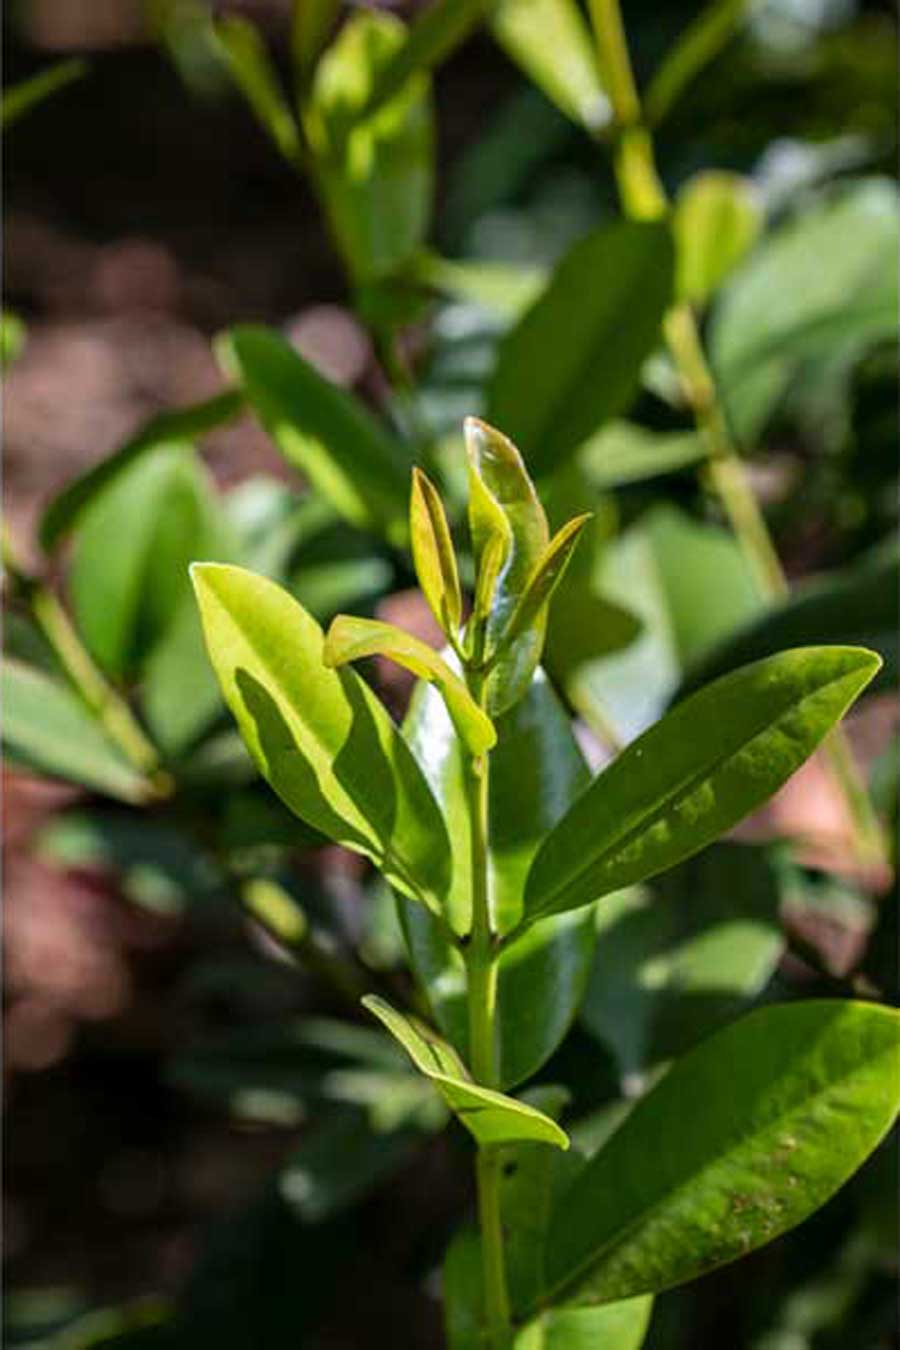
[(490, 1116), (319, 737), (695, 774), (375, 170), (503, 505), (717, 219), (48, 728), (678, 958), (536, 772), (575, 357), (351, 639), (323, 430), (743, 1138)]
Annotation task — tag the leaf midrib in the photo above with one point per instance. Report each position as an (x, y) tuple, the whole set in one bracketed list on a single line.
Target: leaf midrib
[(674, 798), (695, 1179)]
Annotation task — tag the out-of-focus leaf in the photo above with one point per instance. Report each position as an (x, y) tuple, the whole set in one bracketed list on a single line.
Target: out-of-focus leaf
[(656, 569), (437, 30), (185, 424), (244, 54), (551, 42), (536, 772), (695, 774), (351, 639), (815, 296), (858, 605), (433, 554), (623, 452), (503, 504), (135, 541), (320, 737), (19, 99), (48, 728), (717, 219), (311, 22), (700, 43), (323, 430), (783, 1106), (375, 171), (503, 288), (12, 338), (575, 357), (491, 1117), (338, 1162), (616, 1326), (677, 959)]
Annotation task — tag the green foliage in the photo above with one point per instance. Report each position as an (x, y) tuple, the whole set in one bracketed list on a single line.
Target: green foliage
[(20, 99)]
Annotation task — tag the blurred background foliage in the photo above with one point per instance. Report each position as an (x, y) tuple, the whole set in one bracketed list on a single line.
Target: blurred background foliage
[(206, 1145)]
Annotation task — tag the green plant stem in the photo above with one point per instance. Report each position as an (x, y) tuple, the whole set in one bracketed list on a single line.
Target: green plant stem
[(644, 198), (481, 969)]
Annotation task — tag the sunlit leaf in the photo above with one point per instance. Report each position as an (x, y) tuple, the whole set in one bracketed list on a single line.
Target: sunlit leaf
[(551, 42), (433, 554)]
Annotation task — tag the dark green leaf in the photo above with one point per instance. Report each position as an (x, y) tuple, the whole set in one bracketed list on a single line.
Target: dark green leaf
[(700, 43), (48, 728), (536, 772), (744, 1137), (575, 357), (695, 774), (312, 21), (320, 737), (677, 959), (323, 430)]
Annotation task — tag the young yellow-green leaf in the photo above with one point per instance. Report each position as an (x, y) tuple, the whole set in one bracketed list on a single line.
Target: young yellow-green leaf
[(244, 54), (743, 1138), (351, 639), (502, 501), (717, 219), (320, 737), (547, 575), (323, 430), (575, 357), (490, 1116), (433, 554), (375, 170), (695, 774), (551, 42), (19, 99)]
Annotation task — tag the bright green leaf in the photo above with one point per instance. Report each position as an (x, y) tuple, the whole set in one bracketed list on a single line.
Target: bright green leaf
[(695, 774), (617, 1326), (351, 639), (244, 53), (48, 728), (717, 219), (506, 289), (575, 358), (437, 30), (551, 42), (320, 737), (433, 554), (743, 1138), (490, 1116), (536, 772), (13, 335), (375, 171), (504, 504), (323, 430)]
